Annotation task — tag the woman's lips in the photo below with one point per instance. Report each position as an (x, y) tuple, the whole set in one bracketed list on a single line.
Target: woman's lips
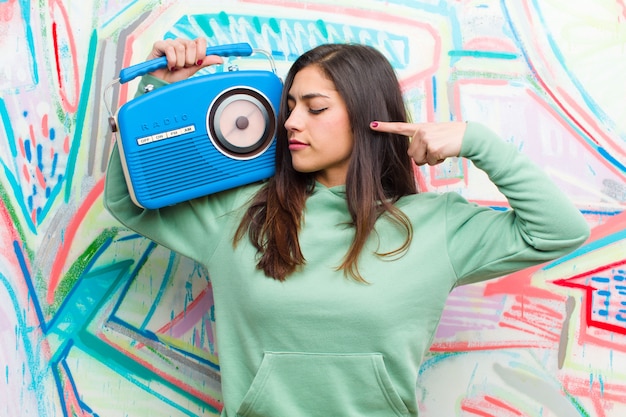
[(296, 145)]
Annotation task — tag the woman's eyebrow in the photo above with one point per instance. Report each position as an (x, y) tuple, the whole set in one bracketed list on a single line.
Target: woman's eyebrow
[(308, 96)]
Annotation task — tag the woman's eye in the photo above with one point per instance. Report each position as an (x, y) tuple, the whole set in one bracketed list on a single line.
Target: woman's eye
[(317, 111)]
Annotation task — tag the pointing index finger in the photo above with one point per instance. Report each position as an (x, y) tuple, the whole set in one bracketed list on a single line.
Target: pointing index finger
[(399, 128)]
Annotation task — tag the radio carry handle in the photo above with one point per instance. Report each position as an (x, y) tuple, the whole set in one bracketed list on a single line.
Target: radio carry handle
[(130, 73)]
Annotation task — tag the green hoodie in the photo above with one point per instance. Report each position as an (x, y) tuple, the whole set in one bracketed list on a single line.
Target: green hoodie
[(321, 344)]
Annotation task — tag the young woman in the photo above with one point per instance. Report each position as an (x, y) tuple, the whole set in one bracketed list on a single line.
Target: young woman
[(330, 278)]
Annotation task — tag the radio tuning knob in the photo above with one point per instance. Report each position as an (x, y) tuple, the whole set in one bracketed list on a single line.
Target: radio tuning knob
[(242, 122)]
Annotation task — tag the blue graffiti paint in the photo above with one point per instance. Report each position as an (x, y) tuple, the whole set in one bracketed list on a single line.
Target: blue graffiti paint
[(611, 159), (483, 54), (24, 334), (556, 50), (27, 151), (55, 161), (81, 114), (593, 107), (589, 247), (19, 255), (39, 157), (167, 274), (288, 38), (8, 127)]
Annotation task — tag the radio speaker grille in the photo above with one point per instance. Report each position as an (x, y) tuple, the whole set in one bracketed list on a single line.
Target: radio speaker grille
[(178, 165)]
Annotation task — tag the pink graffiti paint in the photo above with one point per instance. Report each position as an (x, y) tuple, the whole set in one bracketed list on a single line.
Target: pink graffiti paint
[(70, 234), (62, 31), (8, 10), (600, 330), (201, 395)]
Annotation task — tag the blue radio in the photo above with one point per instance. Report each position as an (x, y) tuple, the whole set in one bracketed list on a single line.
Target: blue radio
[(201, 135)]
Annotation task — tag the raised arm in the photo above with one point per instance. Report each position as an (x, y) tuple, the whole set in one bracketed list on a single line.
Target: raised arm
[(190, 228), (484, 243)]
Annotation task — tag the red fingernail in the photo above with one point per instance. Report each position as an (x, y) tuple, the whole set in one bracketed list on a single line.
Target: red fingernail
[(374, 124), (199, 62)]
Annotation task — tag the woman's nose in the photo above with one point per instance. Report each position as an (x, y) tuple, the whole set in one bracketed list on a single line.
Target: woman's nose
[(292, 122)]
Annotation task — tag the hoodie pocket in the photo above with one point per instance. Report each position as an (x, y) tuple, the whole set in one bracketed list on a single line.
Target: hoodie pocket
[(306, 384)]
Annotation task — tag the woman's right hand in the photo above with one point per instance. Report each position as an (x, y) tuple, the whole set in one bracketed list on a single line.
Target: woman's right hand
[(431, 143), (184, 57)]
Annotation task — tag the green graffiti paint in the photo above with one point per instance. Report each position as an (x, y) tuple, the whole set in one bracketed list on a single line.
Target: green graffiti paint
[(78, 268), (4, 196), (579, 407)]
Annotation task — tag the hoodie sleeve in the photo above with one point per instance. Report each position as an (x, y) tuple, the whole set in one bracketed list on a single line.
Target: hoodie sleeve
[(542, 224)]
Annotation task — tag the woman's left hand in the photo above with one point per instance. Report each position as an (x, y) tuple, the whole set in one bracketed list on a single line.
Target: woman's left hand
[(431, 143)]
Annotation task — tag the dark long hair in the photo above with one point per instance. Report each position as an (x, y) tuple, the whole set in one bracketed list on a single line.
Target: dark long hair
[(379, 173)]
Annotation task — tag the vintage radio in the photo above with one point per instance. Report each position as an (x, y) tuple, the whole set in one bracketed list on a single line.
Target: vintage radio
[(199, 136)]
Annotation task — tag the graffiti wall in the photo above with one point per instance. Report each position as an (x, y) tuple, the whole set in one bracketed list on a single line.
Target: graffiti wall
[(97, 321)]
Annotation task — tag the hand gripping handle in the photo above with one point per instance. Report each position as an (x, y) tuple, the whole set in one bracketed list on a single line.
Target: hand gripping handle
[(130, 73)]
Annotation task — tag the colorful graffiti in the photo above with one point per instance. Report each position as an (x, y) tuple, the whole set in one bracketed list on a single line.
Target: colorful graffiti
[(97, 321)]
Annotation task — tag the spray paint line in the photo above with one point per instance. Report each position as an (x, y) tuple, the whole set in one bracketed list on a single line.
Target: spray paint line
[(70, 234), (70, 104)]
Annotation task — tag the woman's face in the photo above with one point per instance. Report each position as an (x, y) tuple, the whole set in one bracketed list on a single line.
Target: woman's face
[(318, 129)]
